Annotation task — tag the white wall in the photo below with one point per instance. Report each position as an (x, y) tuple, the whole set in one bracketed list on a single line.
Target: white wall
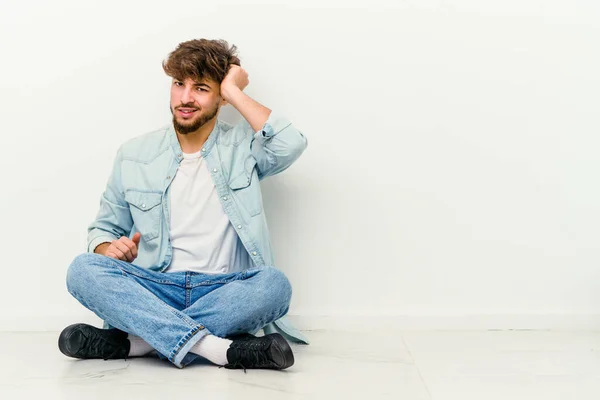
[(452, 167)]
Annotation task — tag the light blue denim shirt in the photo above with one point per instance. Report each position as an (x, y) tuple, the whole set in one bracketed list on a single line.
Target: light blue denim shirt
[(136, 198)]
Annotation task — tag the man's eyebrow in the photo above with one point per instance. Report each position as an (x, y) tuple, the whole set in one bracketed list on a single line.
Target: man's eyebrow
[(196, 83)]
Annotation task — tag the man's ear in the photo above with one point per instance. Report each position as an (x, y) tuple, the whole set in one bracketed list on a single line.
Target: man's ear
[(223, 102)]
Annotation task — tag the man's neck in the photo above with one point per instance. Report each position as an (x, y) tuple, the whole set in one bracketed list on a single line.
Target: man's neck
[(193, 141)]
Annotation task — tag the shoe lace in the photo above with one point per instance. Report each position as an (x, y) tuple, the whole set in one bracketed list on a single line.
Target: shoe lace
[(250, 353), (234, 365), (99, 345)]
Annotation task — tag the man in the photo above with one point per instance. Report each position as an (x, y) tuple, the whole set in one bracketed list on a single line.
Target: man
[(179, 259)]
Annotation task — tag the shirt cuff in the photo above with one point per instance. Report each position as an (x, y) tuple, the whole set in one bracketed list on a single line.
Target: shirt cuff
[(97, 241), (275, 124)]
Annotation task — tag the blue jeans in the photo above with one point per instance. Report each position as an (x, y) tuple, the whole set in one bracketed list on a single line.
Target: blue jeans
[(173, 311)]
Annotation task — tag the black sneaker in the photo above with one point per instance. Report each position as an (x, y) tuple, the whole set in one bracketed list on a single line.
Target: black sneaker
[(269, 352), (240, 336), (86, 341)]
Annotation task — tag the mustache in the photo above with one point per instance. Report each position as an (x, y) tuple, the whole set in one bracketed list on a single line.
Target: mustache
[(186, 106)]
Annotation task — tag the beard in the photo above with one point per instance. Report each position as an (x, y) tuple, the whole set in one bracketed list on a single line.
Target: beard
[(193, 125)]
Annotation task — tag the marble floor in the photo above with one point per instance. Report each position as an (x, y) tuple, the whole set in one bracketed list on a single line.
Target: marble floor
[(435, 365)]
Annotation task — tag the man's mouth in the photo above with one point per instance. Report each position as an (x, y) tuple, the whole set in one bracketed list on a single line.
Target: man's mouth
[(186, 112)]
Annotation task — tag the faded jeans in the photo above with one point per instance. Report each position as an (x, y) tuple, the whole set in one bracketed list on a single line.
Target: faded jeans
[(173, 311)]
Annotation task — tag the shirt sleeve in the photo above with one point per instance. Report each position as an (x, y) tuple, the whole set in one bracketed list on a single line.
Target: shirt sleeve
[(277, 145)]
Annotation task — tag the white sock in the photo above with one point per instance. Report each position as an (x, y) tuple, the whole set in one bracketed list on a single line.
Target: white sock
[(138, 347), (213, 348)]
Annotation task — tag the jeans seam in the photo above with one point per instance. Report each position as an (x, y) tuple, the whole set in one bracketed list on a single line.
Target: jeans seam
[(182, 317), (116, 263), (184, 340), (240, 276), (161, 281)]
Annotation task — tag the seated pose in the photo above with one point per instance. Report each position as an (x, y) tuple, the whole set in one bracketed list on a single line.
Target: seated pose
[(179, 260)]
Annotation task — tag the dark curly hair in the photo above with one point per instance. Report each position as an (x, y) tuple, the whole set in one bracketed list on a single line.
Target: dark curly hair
[(199, 59)]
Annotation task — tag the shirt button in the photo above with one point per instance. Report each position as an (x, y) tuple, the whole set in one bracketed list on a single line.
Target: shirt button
[(204, 149), (214, 170), (143, 205), (179, 155), (224, 197), (168, 177), (253, 253), (239, 227)]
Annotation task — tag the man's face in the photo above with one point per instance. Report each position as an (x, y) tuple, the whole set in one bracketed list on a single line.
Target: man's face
[(193, 104)]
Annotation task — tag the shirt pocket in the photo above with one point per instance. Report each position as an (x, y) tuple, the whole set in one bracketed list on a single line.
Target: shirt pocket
[(245, 187), (145, 212)]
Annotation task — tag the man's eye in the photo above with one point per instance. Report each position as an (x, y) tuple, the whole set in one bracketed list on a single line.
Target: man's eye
[(202, 90)]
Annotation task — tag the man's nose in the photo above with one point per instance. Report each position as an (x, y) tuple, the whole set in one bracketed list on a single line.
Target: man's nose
[(186, 96)]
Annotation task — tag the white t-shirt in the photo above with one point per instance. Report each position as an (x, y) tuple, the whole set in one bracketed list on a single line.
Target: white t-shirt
[(202, 236)]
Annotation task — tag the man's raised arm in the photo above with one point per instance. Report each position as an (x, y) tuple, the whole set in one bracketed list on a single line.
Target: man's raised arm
[(277, 143)]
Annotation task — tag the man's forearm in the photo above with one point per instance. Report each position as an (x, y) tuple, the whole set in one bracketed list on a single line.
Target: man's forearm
[(255, 113)]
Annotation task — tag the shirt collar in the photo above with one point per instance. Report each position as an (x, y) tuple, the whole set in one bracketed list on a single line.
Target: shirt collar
[(176, 147)]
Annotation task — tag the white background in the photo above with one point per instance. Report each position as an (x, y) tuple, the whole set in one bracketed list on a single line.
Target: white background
[(451, 174)]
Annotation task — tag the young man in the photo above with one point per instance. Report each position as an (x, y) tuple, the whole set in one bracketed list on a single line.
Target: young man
[(179, 257)]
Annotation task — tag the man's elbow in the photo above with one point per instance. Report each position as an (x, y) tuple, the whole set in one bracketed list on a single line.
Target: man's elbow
[(276, 160), (296, 147)]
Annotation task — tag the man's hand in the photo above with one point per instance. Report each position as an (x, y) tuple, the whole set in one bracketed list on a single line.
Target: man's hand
[(124, 248), (236, 79), (232, 88)]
